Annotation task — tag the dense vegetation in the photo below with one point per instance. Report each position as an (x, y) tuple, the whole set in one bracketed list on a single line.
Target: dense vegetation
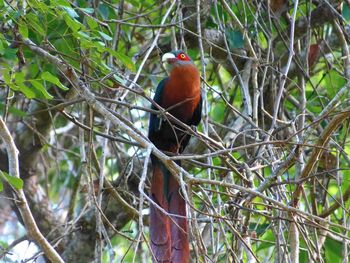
[(266, 174)]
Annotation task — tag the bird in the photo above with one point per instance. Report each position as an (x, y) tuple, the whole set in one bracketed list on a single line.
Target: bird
[(180, 95)]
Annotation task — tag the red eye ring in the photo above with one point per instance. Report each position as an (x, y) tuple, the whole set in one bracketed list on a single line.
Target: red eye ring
[(182, 56)]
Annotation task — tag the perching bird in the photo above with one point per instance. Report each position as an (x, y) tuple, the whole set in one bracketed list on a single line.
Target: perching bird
[(179, 93)]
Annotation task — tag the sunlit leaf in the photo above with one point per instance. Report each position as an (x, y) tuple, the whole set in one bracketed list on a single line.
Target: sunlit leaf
[(105, 36), (19, 77), (13, 181), (41, 5), (87, 10), (41, 89), (119, 79), (53, 79), (269, 237), (73, 24), (262, 40), (2, 47), (23, 29), (35, 24), (28, 92), (333, 190), (91, 22), (70, 11), (125, 60), (60, 3), (7, 76), (84, 35)]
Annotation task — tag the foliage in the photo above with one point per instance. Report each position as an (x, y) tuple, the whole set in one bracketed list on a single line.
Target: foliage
[(269, 160)]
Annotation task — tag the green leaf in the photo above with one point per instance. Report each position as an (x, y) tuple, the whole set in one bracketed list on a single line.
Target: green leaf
[(119, 79), (2, 49), (72, 23), (105, 36), (70, 11), (259, 228), (59, 3), (267, 236), (193, 53), (2, 46), (38, 4), (7, 76), (29, 93), (137, 3), (19, 77), (19, 85), (41, 89), (83, 34), (91, 22), (14, 181), (23, 29), (87, 10), (235, 38), (124, 59), (12, 110), (53, 79), (35, 24), (262, 40), (333, 81), (346, 11), (218, 112), (332, 190), (10, 53), (104, 11), (333, 250), (1, 186)]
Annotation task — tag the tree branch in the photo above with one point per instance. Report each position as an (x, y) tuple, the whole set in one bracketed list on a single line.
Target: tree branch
[(21, 202)]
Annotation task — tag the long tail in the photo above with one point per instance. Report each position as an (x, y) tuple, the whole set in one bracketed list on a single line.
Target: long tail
[(169, 236)]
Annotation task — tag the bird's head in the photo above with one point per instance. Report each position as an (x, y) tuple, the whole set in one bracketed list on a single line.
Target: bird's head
[(176, 58)]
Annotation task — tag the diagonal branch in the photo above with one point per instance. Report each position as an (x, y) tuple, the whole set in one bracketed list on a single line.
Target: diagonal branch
[(318, 150), (21, 202)]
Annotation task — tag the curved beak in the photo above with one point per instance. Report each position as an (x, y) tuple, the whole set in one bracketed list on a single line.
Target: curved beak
[(168, 57)]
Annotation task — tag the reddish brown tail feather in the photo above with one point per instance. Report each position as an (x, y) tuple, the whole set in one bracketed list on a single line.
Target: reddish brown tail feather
[(169, 236)]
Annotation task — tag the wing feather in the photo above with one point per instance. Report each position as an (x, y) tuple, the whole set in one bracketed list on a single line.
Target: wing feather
[(155, 121)]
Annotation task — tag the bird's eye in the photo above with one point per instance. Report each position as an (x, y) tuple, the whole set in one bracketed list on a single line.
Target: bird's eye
[(182, 56)]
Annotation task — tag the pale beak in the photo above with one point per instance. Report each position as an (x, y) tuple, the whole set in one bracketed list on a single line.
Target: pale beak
[(168, 57)]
